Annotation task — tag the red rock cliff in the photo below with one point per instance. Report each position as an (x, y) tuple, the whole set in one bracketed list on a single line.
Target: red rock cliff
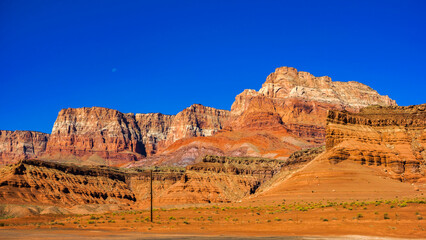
[(389, 137), (287, 114), (196, 121), (100, 134), (106, 136), (299, 101), (18, 145)]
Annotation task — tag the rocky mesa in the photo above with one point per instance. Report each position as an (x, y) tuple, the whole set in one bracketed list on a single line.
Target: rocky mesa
[(18, 145), (287, 114), (109, 137), (393, 138)]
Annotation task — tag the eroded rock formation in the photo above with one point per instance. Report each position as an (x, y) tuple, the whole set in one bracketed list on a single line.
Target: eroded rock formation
[(299, 102), (390, 137), (214, 179), (33, 181), (287, 114), (101, 134), (18, 145), (108, 137)]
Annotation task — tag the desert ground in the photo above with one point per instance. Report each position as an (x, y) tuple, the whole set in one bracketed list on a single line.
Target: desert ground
[(398, 218)]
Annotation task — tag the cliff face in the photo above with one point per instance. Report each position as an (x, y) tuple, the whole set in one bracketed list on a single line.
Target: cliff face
[(213, 179), (196, 121), (17, 145), (287, 82), (154, 129), (287, 114), (105, 133), (38, 182), (108, 137), (299, 102), (389, 137)]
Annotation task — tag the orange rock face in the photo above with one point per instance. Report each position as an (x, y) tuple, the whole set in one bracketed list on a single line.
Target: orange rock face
[(390, 137), (214, 179), (17, 145), (39, 182), (288, 113), (105, 136), (299, 102), (105, 133)]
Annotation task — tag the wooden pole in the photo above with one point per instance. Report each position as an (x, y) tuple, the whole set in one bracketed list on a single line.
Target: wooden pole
[(151, 194)]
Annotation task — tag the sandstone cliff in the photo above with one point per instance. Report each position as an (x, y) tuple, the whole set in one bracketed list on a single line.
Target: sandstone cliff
[(154, 129), (213, 179), (299, 102), (390, 137), (38, 182), (17, 145), (196, 121), (287, 114), (108, 137), (96, 134)]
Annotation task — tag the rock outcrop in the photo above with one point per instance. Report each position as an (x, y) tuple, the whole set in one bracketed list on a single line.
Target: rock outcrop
[(287, 82), (154, 128), (39, 182), (196, 121), (100, 134), (18, 145), (287, 114), (108, 137), (213, 179), (390, 137), (299, 102)]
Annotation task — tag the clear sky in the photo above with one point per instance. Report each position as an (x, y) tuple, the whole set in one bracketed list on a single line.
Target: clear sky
[(163, 56)]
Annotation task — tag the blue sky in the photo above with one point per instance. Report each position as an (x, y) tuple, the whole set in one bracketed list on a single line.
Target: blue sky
[(163, 56)]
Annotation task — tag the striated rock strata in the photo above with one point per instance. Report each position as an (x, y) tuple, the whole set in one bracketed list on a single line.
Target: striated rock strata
[(101, 134), (214, 179), (299, 102), (389, 137), (33, 181), (105, 136), (287, 114), (18, 145)]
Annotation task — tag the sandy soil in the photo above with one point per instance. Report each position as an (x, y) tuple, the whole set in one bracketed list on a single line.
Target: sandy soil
[(391, 218)]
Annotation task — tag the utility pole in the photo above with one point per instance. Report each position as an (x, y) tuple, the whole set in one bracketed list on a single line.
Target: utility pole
[(151, 193)]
